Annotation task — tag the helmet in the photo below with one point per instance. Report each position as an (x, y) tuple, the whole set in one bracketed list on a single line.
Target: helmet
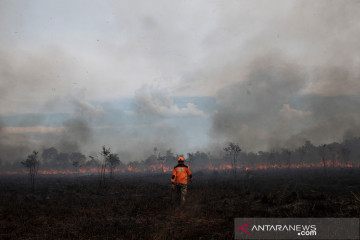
[(180, 159)]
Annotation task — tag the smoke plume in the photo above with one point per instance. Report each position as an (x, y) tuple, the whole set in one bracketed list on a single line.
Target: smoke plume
[(296, 80)]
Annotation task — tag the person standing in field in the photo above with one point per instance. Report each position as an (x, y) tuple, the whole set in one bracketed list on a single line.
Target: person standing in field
[(179, 179)]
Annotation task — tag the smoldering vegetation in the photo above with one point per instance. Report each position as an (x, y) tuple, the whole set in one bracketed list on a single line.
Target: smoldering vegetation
[(286, 94), (325, 156), (294, 78), (144, 207)]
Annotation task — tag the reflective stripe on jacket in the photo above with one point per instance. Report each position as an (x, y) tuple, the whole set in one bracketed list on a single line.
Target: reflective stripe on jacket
[(180, 174)]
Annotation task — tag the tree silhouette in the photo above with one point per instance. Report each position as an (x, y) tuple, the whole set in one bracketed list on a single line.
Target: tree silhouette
[(233, 150), (105, 152), (114, 161), (32, 163)]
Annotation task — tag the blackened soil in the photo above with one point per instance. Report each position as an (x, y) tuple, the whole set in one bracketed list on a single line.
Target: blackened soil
[(144, 206)]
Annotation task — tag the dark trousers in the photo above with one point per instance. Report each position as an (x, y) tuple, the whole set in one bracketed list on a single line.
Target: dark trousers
[(181, 190)]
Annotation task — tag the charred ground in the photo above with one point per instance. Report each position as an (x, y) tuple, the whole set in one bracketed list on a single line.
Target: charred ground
[(141, 206)]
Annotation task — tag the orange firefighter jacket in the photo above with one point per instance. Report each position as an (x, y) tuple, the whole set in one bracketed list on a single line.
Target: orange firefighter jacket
[(180, 174)]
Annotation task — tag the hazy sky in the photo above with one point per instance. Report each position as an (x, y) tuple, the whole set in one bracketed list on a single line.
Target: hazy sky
[(185, 75)]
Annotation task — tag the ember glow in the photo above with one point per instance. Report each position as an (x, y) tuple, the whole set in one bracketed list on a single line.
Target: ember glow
[(210, 167), (329, 163)]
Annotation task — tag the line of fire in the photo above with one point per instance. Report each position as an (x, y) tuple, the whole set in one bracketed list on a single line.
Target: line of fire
[(231, 160)]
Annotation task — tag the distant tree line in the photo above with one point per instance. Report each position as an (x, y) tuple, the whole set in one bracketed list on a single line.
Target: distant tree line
[(345, 154)]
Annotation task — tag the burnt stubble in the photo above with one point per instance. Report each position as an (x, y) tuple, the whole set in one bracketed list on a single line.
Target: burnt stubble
[(142, 206)]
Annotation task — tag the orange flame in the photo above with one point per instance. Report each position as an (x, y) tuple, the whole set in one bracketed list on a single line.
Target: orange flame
[(161, 168), (328, 163)]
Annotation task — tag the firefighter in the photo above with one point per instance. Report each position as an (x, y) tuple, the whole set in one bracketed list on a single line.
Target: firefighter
[(179, 179)]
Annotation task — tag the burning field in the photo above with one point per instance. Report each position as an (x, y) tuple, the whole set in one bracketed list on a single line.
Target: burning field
[(70, 196), (100, 99), (142, 205)]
